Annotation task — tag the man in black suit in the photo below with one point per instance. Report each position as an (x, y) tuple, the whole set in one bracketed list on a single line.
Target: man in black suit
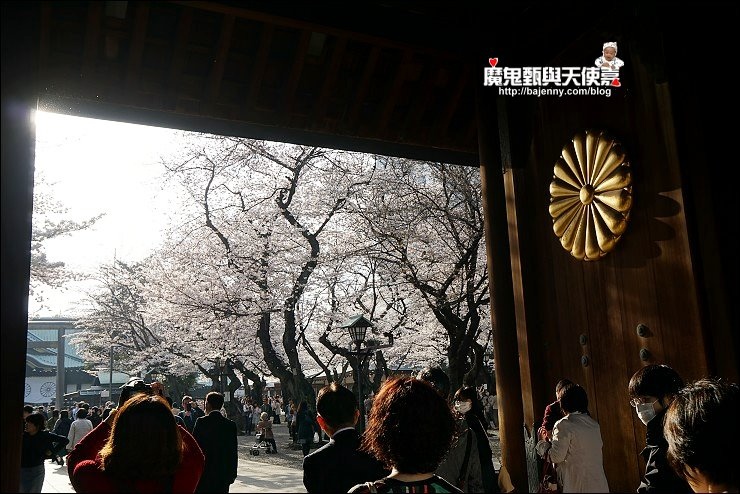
[(216, 436), (339, 465)]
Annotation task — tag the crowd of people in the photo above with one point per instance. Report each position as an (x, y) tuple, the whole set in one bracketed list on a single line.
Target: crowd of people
[(689, 431), (421, 436)]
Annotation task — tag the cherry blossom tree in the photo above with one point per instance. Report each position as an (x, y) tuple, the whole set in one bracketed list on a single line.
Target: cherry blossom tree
[(50, 221), (265, 212), (426, 221), (273, 245)]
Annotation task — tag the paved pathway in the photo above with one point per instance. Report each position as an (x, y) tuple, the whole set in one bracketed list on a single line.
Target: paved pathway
[(264, 473), (252, 477)]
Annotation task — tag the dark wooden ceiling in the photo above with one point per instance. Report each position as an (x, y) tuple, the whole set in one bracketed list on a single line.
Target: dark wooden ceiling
[(341, 74)]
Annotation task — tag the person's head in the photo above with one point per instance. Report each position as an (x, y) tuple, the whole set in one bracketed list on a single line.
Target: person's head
[(410, 427), (651, 390), (144, 441), (134, 386), (64, 414), (187, 402), (35, 422), (610, 50), (337, 408), (701, 428), (214, 401), (437, 378), (561, 386), (85, 405), (466, 401), (302, 406), (27, 410), (82, 413), (264, 416), (157, 388), (574, 399), (55, 413)]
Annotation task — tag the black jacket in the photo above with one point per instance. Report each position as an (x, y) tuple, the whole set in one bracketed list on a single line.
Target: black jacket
[(62, 426), (216, 436), (659, 476), (485, 455), (452, 465), (305, 424), (40, 446), (339, 465)]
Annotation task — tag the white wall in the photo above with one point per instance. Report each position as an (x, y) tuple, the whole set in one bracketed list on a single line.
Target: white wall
[(34, 386)]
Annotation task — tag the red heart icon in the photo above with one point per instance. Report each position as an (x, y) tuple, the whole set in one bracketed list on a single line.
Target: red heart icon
[(616, 83), (493, 61)]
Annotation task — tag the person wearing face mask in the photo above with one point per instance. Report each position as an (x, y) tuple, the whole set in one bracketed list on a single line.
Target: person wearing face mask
[(651, 390), (470, 408)]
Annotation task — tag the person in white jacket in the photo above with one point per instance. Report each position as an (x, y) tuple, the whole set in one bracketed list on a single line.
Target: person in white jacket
[(78, 429), (576, 446)]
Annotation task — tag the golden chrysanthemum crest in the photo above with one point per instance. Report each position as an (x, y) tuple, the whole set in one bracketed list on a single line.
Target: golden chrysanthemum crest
[(591, 195)]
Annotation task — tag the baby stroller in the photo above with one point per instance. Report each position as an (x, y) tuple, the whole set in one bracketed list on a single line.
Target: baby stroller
[(259, 443)]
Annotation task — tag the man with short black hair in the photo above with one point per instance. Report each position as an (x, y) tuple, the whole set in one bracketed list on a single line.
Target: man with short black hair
[(216, 436), (339, 465), (701, 428), (651, 390)]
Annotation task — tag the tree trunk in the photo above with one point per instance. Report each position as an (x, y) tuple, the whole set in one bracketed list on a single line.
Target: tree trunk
[(258, 386), (292, 380)]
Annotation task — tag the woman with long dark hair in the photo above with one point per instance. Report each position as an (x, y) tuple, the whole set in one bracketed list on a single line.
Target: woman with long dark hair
[(38, 444), (469, 406), (145, 452)]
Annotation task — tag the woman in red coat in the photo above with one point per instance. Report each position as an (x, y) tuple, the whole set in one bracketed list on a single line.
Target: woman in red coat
[(145, 452)]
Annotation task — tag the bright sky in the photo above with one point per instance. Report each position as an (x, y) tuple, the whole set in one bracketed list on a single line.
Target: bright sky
[(93, 167)]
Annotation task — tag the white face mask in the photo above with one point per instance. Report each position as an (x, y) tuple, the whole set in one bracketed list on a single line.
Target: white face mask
[(463, 406), (646, 412)]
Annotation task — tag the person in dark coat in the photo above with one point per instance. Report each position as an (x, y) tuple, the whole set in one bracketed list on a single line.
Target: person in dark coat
[(38, 444), (61, 428), (339, 465), (189, 413), (461, 465), (95, 417), (470, 408), (216, 436), (651, 390), (305, 426)]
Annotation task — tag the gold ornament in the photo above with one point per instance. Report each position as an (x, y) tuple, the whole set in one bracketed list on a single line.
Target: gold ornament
[(591, 195)]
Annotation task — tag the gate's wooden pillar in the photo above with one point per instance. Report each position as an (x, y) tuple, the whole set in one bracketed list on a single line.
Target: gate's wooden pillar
[(508, 383), (19, 59)]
